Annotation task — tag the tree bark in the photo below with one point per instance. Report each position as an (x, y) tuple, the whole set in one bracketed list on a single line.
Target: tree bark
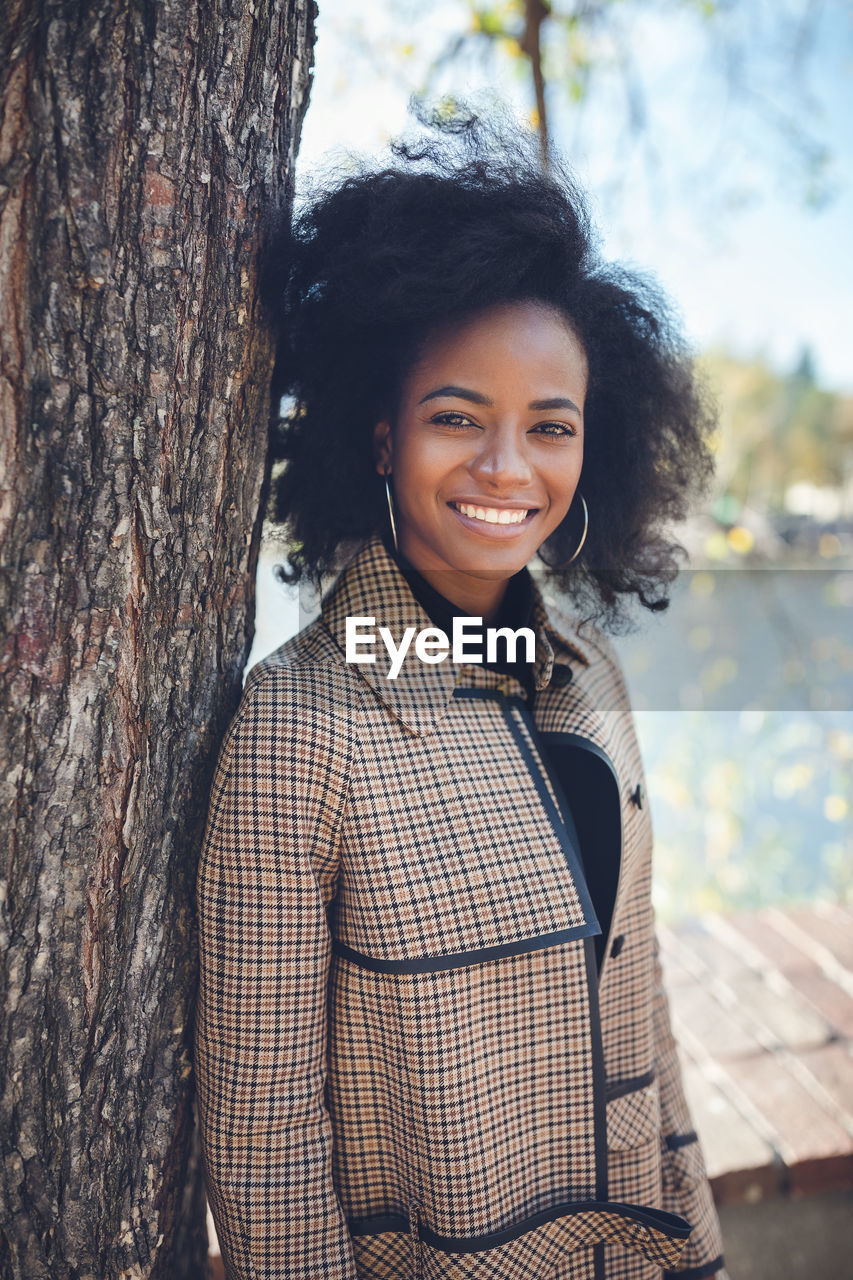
[(141, 145)]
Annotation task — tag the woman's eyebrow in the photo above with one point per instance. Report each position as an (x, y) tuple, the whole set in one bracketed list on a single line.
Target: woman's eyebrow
[(461, 393), (477, 397), (556, 402)]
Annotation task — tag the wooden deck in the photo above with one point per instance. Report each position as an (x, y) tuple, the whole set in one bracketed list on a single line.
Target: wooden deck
[(762, 1008)]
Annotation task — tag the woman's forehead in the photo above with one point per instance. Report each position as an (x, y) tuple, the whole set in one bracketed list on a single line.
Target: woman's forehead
[(512, 341)]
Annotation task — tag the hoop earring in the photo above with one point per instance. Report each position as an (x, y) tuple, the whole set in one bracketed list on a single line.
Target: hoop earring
[(583, 535), (391, 511)]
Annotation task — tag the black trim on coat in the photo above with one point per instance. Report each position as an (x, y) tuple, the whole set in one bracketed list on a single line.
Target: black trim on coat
[(560, 738), (696, 1273), (676, 1140), (578, 740), (459, 959), (599, 1081), (670, 1224), (632, 1084), (377, 1224), (599, 1096)]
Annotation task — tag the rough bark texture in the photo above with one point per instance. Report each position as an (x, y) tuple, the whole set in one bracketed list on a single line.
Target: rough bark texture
[(138, 143)]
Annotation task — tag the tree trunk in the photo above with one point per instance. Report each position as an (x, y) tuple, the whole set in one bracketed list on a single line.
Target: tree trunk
[(140, 142)]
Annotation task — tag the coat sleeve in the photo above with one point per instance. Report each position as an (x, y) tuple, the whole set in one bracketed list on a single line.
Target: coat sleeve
[(686, 1190), (266, 874)]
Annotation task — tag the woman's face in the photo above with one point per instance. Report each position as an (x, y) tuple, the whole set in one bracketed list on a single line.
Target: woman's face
[(486, 451)]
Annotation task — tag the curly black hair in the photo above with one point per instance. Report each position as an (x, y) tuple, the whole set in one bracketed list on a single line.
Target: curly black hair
[(462, 219)]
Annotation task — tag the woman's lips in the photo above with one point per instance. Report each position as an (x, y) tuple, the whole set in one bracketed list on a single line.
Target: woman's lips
[(494, 522)]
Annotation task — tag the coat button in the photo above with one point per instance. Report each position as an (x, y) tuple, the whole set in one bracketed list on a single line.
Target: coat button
[(561, 675), (638, 795), (618, 944)]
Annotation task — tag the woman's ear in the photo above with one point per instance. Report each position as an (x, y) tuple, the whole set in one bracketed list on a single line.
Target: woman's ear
[(382, 446)]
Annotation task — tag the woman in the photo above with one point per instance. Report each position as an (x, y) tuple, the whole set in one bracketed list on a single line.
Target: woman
[(431, 1037)]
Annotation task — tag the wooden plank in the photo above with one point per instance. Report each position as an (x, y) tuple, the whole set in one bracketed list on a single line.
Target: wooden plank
[(693, 942), (826, 925), (766, 1002), (832, 1067), (780, 1016), (758, 928), (788, 967), (806, 1132), (717, 1074), (741, 1164), (831, 1001), (814, 946), (823, 1173), (715, 1025)]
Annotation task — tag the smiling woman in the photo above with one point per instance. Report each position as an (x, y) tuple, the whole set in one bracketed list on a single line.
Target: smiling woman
[(481, 477), (431, 1035)]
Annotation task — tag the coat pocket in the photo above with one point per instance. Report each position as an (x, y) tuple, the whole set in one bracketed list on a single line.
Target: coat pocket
[(384, 1247), (633, 1143), (633, 1114), (386, 1256)]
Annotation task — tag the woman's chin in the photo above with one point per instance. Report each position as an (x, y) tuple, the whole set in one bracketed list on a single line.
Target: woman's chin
[(490, 566)]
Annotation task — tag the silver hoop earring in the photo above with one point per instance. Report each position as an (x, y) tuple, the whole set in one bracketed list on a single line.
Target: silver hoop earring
[(583, 535), (391, 512)]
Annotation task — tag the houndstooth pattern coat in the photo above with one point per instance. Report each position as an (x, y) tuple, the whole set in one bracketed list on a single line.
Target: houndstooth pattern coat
[(407, 1062)]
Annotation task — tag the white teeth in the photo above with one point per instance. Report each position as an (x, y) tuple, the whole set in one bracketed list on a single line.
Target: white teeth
[(492, 515)]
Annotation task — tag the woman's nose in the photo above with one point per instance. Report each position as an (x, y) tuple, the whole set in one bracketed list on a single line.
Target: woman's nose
[(502, 460)]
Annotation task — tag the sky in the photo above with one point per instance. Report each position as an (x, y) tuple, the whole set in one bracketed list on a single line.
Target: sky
[(711, 199)]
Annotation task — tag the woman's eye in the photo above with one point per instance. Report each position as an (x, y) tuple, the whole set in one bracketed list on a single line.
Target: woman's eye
[(555, 429), (450, 419)]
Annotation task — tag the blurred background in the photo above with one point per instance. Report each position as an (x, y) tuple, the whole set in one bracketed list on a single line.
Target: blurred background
[(715, 145)]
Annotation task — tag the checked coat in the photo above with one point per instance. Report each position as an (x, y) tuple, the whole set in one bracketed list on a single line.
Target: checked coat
[(408, 1062)]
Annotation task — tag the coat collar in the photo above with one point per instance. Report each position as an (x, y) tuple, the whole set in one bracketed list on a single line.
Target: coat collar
[(371, 585)]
